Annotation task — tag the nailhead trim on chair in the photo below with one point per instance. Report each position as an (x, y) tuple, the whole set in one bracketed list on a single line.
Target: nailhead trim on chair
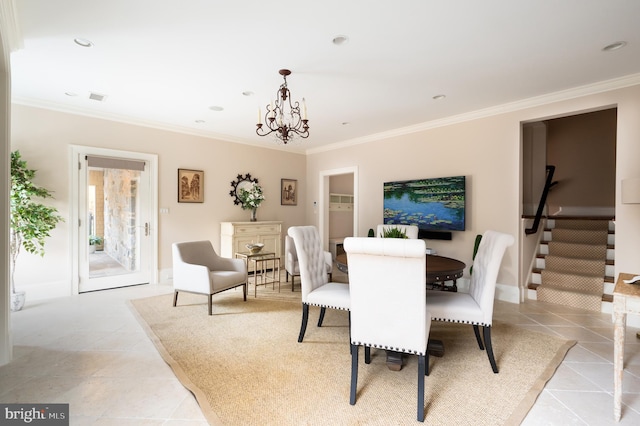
[(328, 306), (389, 348), (482, 324)]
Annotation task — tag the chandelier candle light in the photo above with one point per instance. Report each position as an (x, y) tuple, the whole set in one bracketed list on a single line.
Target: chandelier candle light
[(286, 124)]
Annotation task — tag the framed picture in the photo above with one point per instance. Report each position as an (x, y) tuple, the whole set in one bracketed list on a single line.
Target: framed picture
[(289, 192), (190, 186)]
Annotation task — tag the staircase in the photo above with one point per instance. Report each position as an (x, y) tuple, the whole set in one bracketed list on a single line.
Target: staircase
[(575, 263)]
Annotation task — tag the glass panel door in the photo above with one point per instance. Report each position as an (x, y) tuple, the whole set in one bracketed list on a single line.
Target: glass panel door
[(116, 228)]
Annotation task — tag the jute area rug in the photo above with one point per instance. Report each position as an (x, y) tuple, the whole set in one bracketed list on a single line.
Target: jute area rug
[(245, 366)]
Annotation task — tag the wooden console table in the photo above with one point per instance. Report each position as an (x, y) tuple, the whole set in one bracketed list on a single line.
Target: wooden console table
[(626, 300)]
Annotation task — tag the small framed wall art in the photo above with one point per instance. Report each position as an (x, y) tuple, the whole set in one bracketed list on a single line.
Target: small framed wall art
[(289, 192), (190, 186)]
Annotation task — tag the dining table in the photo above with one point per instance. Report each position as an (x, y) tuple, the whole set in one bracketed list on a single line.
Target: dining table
[(440, 269)]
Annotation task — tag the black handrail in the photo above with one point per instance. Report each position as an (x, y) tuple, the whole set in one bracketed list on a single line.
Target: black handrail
[(543, 199)]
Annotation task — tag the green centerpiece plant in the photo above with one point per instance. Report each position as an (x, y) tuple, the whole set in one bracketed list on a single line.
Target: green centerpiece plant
[(31, 222), (394, 233)]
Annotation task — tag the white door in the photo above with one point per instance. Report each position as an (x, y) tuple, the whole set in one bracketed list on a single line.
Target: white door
[(115, 235)]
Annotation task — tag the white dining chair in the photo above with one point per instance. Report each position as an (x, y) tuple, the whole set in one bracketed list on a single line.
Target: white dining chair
[(387, 279), (317, 290), (476, 306)]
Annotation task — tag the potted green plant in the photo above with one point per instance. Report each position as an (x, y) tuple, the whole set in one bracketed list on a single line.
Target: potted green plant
[(31, 221), (394, 233), (94, 241)]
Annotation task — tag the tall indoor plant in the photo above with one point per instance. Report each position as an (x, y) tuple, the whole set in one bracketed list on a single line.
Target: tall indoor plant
[(31, 221)]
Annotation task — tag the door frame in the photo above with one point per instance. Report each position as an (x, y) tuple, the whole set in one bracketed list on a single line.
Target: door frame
[(323, 207), (74, 191)]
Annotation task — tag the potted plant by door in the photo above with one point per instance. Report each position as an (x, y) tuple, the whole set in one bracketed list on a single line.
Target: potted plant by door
[(30, 220), (94, 241)]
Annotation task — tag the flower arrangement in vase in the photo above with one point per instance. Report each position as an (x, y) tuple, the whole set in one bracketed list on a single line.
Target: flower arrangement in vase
[(251, 198)]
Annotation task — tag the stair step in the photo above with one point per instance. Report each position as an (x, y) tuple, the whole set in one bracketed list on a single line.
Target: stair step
[(605, 297), (607, 279)]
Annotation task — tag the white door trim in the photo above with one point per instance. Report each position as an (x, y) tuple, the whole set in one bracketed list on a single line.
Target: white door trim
[(74, 191)]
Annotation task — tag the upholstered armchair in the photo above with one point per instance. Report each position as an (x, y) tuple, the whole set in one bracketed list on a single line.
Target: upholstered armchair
[(291, 264), (317, 290), (410, 230), (476, 306), (197, 268), (387, 279)]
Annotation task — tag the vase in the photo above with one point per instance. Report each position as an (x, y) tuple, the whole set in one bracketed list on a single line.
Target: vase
[(17, 300), (253, 215)]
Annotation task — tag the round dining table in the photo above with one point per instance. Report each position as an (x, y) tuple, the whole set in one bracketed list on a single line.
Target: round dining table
[(439, 270)]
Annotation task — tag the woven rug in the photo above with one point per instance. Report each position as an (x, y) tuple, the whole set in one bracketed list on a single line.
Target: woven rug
[(245, 367)]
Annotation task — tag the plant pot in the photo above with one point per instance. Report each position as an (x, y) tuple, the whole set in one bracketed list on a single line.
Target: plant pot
[(92, 248), (17, 300), (253, 215)]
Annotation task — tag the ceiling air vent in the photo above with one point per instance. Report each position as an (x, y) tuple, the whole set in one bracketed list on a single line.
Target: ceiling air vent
[(97, 97)]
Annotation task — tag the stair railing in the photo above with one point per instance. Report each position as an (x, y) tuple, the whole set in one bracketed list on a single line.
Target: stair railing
[(543, 200)]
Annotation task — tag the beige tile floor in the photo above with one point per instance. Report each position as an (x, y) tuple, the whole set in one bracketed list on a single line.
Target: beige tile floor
[(89, 351)]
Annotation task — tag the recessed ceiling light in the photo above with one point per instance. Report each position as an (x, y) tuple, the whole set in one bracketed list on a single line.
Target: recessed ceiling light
[(339, 40), (82, 42), (216, 108), (71, 93), (439, 97), (247, 93), (97, 97), (615, 46), (200, 121), (345, 123)]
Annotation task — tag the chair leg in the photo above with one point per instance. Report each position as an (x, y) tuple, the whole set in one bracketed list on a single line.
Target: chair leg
[(175, 298), (487, 342), (350, 331), (330, 276), (354, 373), (367, 355), (321, 318), (305, 317), (476, 330), (210, 303), (293, 278), (244, 291), (421, 374)]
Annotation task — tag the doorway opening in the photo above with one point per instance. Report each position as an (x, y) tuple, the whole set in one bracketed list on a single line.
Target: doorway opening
[(324, 225)]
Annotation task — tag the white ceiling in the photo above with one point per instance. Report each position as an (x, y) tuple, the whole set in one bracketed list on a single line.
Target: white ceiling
[(164, 63)]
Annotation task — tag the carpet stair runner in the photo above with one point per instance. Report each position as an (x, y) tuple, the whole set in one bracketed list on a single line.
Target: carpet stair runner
[(574, 270)]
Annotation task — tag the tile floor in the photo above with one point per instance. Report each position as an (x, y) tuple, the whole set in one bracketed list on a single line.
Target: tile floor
[(89, 351)]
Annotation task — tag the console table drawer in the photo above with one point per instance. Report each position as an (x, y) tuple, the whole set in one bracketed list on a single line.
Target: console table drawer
[(258, 229)]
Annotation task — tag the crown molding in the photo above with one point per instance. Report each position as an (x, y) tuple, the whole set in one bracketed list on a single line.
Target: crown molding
[(563, 95)]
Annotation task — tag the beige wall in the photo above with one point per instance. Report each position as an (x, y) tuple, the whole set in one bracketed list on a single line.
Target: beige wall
[(44, 137), (488, 152), (583, 149)]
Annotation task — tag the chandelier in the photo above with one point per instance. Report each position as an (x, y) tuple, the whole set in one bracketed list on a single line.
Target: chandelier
[(283, 117)]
